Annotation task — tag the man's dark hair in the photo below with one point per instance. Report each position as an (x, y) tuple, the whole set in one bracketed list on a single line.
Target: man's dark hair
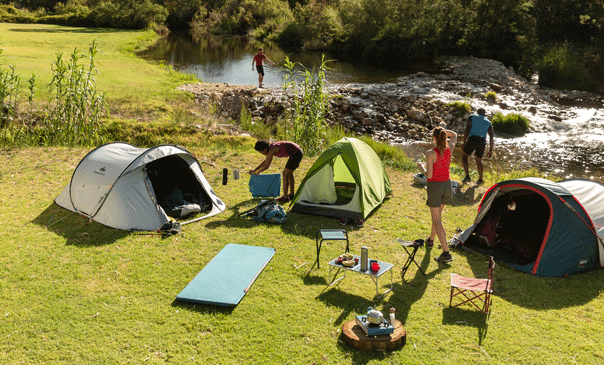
[(261, 145), (482, 112)]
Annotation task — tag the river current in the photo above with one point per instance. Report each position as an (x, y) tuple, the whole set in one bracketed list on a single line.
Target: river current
[(564, 141)]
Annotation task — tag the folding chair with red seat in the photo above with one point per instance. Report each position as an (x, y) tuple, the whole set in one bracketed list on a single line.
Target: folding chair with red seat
[(474, 291)]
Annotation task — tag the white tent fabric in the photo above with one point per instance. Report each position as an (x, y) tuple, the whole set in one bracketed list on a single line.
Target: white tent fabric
[(591, 196), (110, 185)]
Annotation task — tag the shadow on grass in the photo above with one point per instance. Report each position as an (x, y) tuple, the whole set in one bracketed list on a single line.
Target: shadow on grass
[(349, 303), (203, 308), (534, 292), (413, 290), (76, 229), (303, 225), (471, 318), (470, 196)]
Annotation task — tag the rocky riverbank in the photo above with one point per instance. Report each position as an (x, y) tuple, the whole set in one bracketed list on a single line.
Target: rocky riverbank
[(408, 109)]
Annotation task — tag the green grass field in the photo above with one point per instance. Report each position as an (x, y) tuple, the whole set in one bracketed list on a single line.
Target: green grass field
[(32, 48), (76, 292)]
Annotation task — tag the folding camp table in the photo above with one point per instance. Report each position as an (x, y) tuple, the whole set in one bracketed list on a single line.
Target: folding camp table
[(330, 235), (411, 255), (374, 275)]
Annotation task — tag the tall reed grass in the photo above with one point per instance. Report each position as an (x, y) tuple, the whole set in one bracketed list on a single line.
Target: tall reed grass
[(72, 115), (309, 106)]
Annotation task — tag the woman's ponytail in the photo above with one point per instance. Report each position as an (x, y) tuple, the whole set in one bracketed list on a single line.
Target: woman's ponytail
[(441, 138)]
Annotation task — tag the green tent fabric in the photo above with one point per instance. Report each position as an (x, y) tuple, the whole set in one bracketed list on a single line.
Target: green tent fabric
[(348, 180)]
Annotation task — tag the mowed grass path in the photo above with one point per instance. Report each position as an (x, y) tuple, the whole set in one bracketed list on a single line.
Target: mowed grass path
[(76, 292), (32, 48)]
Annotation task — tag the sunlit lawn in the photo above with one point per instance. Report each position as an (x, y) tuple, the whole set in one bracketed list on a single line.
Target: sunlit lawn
[(78, 292)]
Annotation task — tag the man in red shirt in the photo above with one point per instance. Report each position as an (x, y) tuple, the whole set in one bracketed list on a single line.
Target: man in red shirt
[(258, 58)]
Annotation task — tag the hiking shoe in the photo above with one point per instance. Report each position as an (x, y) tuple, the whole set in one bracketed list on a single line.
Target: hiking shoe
[(466, 179), (429, 242), (444, 257), (359, 223), (480, 182), (344, 221)]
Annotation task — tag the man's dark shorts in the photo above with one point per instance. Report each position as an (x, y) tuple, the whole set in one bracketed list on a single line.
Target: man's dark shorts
[(439, 193), (475, 144), (260, 70), (294, 161)]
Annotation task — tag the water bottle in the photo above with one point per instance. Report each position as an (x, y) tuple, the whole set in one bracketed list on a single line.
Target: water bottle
[(392, 317), (364, 258)]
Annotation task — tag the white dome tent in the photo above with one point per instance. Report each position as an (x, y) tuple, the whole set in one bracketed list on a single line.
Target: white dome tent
[(138, 189)]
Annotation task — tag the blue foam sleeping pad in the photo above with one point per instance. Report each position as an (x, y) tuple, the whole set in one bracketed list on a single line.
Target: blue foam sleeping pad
[(265, 185), (228, 276)]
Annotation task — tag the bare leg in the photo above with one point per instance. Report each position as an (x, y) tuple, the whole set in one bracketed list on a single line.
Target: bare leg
[(288, 182), (437, 225), (260, 78), (465, 163), (479, 167)]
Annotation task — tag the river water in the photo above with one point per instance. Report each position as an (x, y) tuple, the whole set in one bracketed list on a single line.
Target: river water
[(568, 145)]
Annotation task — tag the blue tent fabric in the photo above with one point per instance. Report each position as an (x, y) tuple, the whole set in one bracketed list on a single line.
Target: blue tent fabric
[(546, 233), (228, 276), (265, 185)]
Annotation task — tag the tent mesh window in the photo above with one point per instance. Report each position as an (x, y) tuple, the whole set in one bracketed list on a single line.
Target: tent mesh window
[(514, 227), (345, 192), (177, 190)]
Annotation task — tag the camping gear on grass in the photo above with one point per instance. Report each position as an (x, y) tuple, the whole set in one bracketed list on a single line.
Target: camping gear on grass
[(267, 211), (348, 181), (228, 276), (265, 185), (541, 227), (138, 189), (374, 316)]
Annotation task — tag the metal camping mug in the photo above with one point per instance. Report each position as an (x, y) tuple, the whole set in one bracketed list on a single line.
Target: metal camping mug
[(364, 258), (236, 174)]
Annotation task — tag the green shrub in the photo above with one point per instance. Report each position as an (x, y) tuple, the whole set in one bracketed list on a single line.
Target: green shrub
[(514, 124), (131, 14), (562, 68), (10, 14), (460, 108), (491, 96)]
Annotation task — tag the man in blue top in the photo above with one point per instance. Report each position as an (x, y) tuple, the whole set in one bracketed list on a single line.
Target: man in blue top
[(475, 141)]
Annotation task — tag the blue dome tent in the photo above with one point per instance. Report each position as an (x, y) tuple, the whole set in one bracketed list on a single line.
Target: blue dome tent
[(541, 227)]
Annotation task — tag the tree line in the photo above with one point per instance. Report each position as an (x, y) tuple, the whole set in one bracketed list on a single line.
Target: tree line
[(563, 40)]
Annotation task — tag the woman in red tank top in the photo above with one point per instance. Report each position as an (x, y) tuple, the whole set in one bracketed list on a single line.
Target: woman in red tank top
[(436, 169)]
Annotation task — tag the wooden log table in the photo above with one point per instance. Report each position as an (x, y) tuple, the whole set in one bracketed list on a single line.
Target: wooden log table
[(355, 336)]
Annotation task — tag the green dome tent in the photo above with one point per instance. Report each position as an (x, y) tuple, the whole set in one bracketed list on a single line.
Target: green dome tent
[(348, 180)]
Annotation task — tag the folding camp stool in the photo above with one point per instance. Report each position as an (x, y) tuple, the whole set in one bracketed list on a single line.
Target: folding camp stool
[(410, 255), (330, 235)]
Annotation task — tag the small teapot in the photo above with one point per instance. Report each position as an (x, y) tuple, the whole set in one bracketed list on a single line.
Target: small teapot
[(374, 316)]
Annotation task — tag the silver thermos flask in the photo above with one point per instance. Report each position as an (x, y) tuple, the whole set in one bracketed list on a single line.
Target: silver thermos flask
[(364, 258)]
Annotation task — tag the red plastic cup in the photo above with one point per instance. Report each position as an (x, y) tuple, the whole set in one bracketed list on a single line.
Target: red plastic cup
[(375, 266)]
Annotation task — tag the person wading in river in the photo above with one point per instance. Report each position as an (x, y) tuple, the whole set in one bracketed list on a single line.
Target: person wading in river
[(475, 141), (258, 59)]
